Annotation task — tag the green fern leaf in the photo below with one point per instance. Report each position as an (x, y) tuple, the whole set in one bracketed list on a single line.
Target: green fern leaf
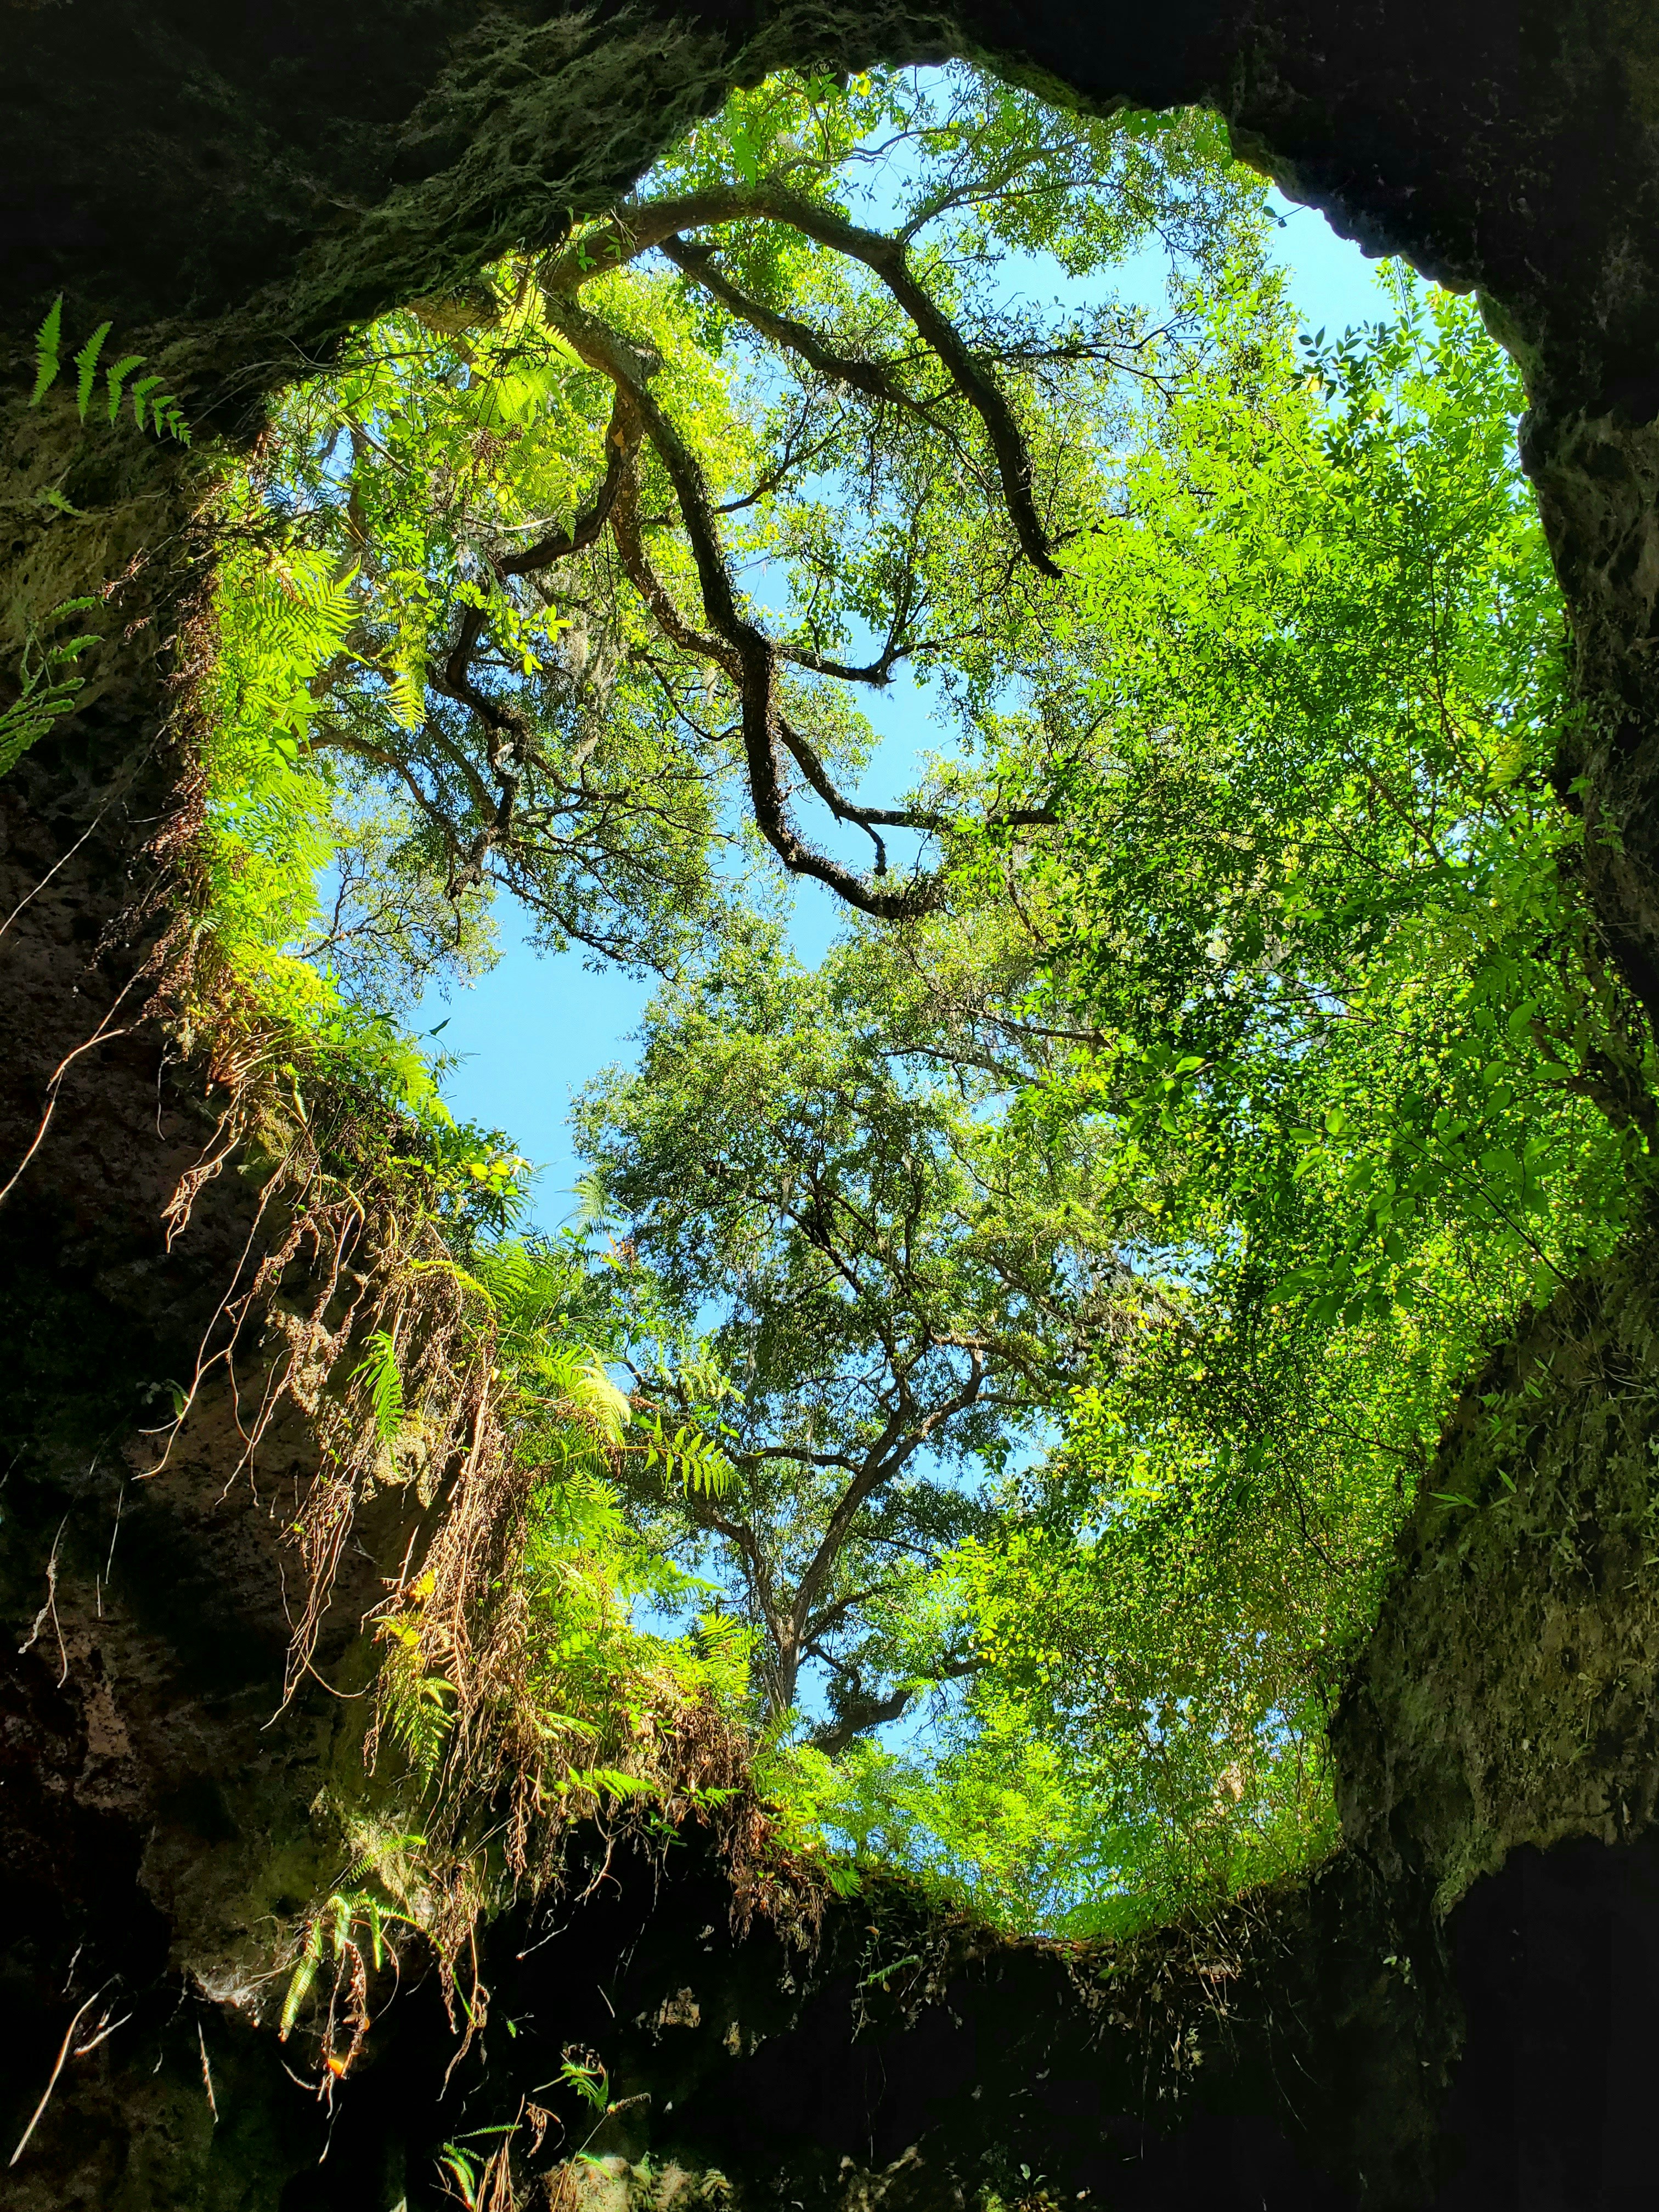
[(141, 392), (300, 1982), (591, 2083), (46, 351), (379, 1370), (86, 362), (116, 376), (47, 690), (21, 725)]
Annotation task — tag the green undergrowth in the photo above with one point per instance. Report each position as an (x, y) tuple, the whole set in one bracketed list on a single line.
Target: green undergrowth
[(515, 1696)]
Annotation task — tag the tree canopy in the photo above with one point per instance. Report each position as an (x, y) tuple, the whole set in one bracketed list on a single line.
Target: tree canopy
[(1043, 1310)]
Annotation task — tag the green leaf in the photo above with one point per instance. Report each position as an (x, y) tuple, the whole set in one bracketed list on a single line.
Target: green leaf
[(46, 340), (378, 1370), (117, 376), (140, 392), (86, 362)]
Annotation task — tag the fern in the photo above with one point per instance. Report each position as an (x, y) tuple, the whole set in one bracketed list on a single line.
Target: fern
[(302, 611), (610, 1782), (167, 417), (422, 1719), (409, 669), (378, 1370), (405, 666), (47, 689), (299, 1981), (463, 2173), (590, 2082), (140, 395), (415, 1704), (116, 375), (86, 362), (332, 1929), (46, 351), (689, 1455)]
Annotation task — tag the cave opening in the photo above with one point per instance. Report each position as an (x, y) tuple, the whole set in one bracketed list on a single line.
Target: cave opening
[(1164, 1293)]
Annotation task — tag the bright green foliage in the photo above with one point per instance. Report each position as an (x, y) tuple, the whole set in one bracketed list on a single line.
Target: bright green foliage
[(1038, 1318), (1360, 1084), (46, 340), (513, 547), (349, 1924), (1314, 891), (280, 821), (378, 1374), (899, 1301), (167, 417), (576, 1680), (1299, 995)]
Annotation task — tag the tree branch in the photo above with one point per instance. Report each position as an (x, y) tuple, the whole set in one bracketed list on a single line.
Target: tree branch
[(739, 646), (870, 377), (634, 229)]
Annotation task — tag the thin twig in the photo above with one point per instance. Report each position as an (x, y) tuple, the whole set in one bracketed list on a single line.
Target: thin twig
[(207, 2074), (58, 863), (49, 1610), (63, 2054), (102, 1034)]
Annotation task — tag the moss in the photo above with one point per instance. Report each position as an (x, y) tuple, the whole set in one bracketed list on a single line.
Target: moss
[(1507, 1697)]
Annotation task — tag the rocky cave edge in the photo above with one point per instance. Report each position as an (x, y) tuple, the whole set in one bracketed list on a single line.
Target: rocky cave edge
[(1453, 2009)]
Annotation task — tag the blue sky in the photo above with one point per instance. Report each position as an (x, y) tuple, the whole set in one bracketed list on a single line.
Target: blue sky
[(535, 1028)]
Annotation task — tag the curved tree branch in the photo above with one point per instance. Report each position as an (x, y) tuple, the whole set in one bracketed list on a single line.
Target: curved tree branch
[(635, 228), (872, 377), (737, 646), (511, 741)]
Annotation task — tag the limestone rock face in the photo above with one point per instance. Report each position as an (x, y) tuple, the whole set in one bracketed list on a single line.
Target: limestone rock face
[(234, 188)]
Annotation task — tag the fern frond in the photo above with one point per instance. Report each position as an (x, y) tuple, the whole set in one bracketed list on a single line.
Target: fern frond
[(140, 394), (593, 1197), (594, 1395), (116, 376), (167, 417), (689, 1454), (46, 351), (447, 1266), (418, 1712), (300, 1982), (47, 692), (379, 1370), (612, 1782), (26, 721), (74, 607), (409, 666), (86, 362), (463, 2172)]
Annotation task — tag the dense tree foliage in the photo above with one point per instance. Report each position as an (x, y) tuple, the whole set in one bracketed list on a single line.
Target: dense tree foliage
[(518, 544), (1037, 1318)]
